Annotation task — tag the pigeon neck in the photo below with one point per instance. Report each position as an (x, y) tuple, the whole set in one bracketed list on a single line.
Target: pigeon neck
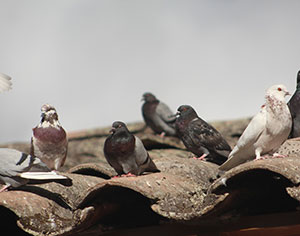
[(274, 104), (123, 133), (155, 101), (47, 124)]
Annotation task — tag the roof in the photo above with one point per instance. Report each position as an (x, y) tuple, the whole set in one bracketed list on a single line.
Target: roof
[(187, 197)]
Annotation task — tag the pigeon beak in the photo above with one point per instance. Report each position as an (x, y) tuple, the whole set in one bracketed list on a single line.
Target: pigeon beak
[(172, 116), (287, 93), (143, 99), (112, 130)]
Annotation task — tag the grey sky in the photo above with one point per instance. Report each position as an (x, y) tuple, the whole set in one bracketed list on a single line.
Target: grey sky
[(93, 60)]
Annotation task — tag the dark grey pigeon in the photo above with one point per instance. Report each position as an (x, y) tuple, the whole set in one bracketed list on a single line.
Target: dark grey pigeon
[(201, 138), (158, 116), (126, 152), (294, 105), (49, 139), (17, 168)]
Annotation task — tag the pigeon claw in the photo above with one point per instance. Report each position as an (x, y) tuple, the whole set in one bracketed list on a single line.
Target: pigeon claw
[(202, 158)]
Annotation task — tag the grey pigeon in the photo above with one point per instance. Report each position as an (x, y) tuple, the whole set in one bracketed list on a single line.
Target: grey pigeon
[(5, 82), (199, 137), (49, 139), (126, 152), (294, 105), (17, 168), (266, 131), (158, 116)]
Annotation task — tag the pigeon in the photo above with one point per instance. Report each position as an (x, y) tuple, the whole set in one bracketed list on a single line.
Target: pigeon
[(5, 82), (199, 137), (158, 116), (49, 140), (266, 131), (18, 168), (126, 152), (294, 105)]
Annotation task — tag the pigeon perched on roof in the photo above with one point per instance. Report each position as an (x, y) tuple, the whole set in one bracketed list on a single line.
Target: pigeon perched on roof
[(49, 139), (158, 116), (5, 82), (126, 152), (199, 137), (266, 131), (294, 105), (18, 168)]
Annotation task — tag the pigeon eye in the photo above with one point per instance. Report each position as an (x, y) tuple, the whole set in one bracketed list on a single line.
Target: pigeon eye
[(279, 89)]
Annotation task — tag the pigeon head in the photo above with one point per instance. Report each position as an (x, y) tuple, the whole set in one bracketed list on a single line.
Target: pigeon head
[(278, 92), (118, 126), (149, 97), (186, 111), (49, 116)]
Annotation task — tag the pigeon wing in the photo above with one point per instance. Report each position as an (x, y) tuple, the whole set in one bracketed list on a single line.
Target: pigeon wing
[(165, 113), (205, 135), (142, 158), (254, 129), (244, 149)]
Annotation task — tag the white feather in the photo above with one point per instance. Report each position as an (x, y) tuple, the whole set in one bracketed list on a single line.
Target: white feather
[(42, 175)]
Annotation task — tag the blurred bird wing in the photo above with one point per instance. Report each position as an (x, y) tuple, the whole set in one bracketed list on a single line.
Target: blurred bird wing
[(13, 162), (5, 83), (165, 113)]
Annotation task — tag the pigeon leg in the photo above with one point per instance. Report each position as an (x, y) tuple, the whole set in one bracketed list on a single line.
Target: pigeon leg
[(162, 135), (257, 154), (4, 188)]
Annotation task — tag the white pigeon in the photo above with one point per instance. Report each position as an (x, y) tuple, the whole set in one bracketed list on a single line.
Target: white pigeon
[(265, 132), (5, 82)]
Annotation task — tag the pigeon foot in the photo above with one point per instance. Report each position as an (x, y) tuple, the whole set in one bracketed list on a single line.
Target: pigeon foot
[(202, 158), (267, 156), (4, 188), (128, 175)]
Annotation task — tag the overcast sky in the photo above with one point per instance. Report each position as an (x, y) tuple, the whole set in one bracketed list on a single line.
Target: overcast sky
[(94, 59)]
